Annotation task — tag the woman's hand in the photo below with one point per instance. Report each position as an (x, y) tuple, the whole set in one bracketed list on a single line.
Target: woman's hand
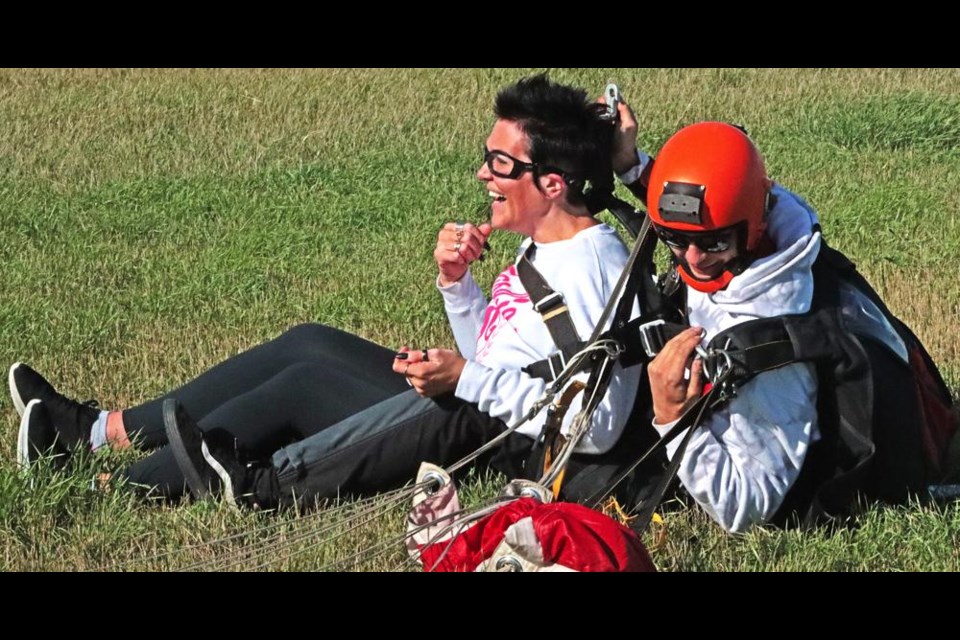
[(459, 244), (432, 372)]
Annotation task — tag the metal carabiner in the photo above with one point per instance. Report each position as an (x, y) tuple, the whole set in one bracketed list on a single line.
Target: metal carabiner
[(613, 97)]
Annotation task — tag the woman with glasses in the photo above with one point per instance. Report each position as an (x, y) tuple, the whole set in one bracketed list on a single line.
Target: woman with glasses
[(320, 413)]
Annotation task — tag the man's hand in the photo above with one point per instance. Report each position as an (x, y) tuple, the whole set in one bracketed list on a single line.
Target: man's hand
[(672, 393), (625, 138), (458, 245), (432, 372)]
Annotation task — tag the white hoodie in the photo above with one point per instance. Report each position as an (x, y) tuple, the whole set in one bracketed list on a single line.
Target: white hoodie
[(501, 337), (740, 466)]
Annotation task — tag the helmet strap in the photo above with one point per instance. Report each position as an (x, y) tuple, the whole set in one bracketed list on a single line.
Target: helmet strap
[(706, 286)]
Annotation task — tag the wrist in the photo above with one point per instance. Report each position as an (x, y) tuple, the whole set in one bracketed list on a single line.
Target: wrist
[(445, 281), (634, 168), (624, 162), (666, 415)]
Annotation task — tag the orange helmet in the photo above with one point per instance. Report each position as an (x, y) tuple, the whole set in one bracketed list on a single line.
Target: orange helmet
[(708, 177)]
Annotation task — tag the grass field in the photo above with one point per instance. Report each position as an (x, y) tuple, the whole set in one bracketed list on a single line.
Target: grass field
[(155, 222)]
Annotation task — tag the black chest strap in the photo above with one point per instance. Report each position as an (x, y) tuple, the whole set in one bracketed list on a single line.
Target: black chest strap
[(556, 316), (770, 343)]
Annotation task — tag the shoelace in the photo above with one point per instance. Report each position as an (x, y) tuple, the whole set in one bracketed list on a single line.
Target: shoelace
[(73, 420)]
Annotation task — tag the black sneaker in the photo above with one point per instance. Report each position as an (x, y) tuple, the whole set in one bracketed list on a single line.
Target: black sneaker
[(73, 420), (209, 461), (38, 437)]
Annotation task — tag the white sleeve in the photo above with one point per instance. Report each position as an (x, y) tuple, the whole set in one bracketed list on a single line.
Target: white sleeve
[(741, 465), (634, 172), (502, 393), (465, 305)]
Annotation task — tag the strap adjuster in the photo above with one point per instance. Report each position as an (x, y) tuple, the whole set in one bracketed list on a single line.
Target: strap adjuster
[(551, 306), (557, 364), (547, 303), (651, 337)]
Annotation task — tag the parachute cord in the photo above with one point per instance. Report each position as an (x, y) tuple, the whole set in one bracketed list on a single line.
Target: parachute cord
[(375, 505), (548, 395), (386, 545), (580, 426), (700, 406)]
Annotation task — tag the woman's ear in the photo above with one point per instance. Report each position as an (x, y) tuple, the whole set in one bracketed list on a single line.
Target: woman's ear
[(552, 185)]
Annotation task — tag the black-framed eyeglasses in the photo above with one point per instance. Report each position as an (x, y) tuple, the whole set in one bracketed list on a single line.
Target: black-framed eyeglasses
[(707, 241), (504, 165)]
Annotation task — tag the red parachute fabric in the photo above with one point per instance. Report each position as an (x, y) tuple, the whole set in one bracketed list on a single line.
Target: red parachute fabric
[(555, 536)]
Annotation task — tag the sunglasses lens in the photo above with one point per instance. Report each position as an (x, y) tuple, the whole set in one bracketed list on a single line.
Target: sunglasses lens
[(674, 243), (712, 243), (715, 244), (673, 240)]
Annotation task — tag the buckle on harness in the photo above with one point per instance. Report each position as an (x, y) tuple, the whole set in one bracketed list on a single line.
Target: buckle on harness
[(548, 303), (557, 364), (651, 337)]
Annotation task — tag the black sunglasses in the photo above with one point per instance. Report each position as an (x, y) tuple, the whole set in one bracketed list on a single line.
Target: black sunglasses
[(708, 242), (504, 165)]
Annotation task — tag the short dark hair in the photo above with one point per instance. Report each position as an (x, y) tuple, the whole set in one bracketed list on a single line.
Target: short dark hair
[(566, 130)]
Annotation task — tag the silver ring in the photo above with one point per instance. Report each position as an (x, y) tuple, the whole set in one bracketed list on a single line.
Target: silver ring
[(458, 226), (457, 246)]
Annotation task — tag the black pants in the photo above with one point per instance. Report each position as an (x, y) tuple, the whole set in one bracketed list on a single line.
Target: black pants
[(326, 416), (285, 390), (381, 448)]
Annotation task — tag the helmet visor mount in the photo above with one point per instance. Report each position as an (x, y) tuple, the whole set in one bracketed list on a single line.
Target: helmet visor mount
[(682, 202)]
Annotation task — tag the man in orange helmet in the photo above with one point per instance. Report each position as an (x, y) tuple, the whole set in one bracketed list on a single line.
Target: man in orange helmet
[(745, 248)]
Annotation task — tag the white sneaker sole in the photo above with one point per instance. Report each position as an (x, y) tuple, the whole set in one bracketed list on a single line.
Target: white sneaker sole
[(23, 437), (186, 462), (14, 393), (188, 465), (220, 471)]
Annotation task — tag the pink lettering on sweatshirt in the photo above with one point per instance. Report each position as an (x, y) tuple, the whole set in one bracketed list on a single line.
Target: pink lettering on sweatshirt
[(507, 295)]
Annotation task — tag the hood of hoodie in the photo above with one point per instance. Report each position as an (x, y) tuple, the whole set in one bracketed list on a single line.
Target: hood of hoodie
[(778, 284)]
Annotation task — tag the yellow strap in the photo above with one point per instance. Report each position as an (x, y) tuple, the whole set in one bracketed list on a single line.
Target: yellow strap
[(555, 312), (553, 441), (557, 484)]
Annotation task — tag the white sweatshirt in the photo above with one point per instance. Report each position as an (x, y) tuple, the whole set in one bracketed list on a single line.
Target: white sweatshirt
[(501, 337), (741, 465)]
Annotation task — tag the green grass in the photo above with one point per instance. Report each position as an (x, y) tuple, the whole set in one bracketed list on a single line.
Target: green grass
[(155, 222)]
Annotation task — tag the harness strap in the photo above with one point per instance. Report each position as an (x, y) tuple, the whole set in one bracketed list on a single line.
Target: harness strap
[(549, 368), (691, 419), (556, 316), (756, 359), (770, 343)]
